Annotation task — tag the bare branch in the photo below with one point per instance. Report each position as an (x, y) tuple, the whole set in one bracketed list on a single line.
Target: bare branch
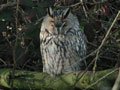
[(105, 38), (117, 82), (9, 4)]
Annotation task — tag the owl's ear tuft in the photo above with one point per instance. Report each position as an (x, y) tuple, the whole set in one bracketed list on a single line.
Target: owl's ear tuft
[(50, 11), (66, 13)]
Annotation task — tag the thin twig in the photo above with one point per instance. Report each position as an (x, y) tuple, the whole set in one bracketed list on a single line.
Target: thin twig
[(94, 3), (3, 61), (116, 86), (84, 8), (77, 4), (97, 50), (103, 41), (108, 32), (14, 47), (101, 79), (8, 4)]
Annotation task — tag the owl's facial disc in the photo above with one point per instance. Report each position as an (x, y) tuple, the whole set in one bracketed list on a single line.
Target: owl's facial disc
[(59, 17)]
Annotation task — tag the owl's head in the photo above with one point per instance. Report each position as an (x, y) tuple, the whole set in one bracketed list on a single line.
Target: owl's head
[(55, 21)]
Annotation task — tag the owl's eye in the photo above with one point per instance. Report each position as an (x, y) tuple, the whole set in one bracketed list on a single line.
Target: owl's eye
[(52, 21)]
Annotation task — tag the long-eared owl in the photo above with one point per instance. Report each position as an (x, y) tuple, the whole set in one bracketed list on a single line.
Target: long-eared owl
[(62, 42)]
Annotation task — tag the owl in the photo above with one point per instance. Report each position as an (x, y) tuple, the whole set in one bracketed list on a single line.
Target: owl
[(62, 42)]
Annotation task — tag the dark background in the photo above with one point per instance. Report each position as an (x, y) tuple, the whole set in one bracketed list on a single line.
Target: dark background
[(20, 26)]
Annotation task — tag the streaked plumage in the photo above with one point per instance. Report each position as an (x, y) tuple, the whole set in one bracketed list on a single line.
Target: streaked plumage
[(62, 42)]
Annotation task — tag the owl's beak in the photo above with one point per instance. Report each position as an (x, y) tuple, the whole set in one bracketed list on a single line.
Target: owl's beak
[(55, 31), (61, 28)]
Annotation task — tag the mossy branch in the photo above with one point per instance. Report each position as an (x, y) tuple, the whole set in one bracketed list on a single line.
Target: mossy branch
[(37, 80)]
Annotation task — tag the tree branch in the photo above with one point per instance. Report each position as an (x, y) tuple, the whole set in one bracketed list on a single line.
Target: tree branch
[(8, 4)]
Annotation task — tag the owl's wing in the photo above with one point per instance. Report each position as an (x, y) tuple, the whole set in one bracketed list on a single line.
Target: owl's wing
[(76, 41)]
